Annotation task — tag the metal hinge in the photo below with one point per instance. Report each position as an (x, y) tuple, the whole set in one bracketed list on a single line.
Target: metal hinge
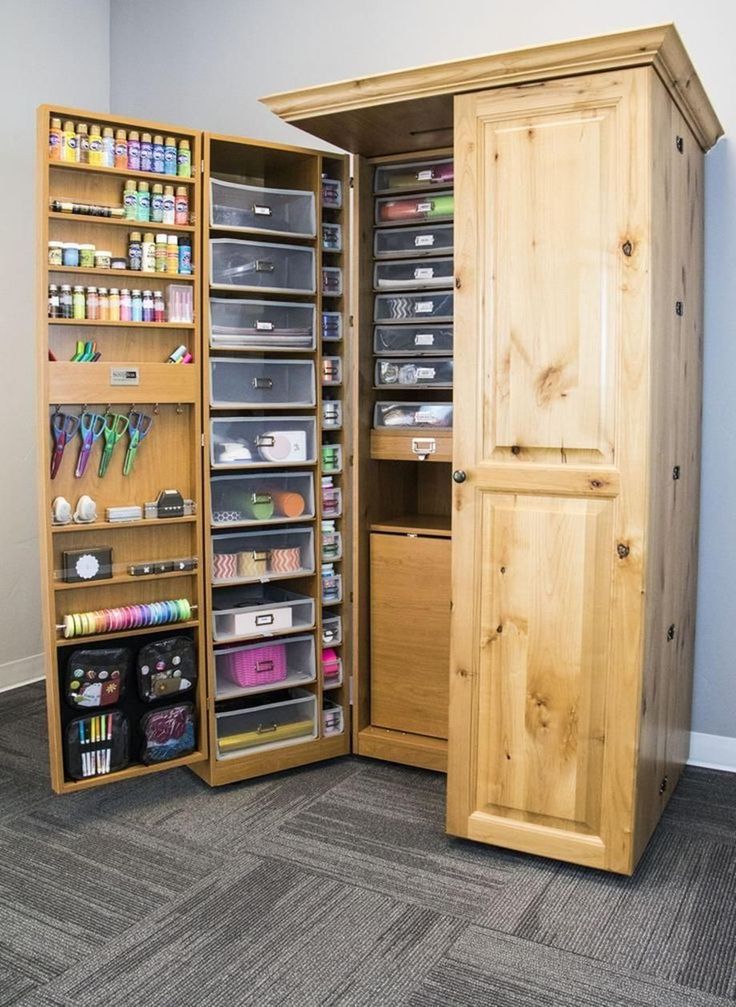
[(351, 183), (201, 167), (202, 440), (679, 308), (676, 472), (680, 144), (663, 785), (350, 690), (351, 321), (671, 632)]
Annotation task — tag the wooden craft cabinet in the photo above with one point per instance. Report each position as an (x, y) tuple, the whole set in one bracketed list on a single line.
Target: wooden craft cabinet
[(545, 549)]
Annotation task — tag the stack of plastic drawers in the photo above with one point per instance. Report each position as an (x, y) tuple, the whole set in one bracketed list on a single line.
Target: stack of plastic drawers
[(413, 283)]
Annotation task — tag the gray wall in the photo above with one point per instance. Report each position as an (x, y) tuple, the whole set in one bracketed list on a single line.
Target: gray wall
[(50, 51)]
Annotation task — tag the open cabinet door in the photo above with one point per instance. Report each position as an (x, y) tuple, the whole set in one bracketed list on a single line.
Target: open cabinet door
[(551, 315)]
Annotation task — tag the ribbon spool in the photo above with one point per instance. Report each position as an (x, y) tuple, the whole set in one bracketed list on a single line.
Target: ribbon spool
[(126, 617)]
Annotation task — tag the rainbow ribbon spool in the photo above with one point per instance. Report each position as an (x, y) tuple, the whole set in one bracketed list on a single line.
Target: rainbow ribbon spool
[(126, 617)]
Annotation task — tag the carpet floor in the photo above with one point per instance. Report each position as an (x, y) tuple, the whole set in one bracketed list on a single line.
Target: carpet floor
[(336, 884)]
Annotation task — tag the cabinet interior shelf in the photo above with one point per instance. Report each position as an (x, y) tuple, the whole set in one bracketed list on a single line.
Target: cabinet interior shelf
[(125, 578), (100, 637), (132, 225), (416, 524), (98, 169), (122, 273), (122, 325), (115, 525)]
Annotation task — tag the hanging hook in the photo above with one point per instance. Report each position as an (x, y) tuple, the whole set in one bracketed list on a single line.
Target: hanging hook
[(155, 409), (179, 408)]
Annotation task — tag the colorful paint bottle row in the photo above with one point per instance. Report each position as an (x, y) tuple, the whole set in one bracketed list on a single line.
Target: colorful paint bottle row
[(131, 150)]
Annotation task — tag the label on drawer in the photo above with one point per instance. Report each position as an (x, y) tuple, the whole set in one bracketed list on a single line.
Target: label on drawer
[(264, 326), (424, 307), (425, 373), (263, 211), (426, 175), (422, 416), (423, 240), (125, 376), (425, 207), (424, 273), (424, 339), (423, 446)]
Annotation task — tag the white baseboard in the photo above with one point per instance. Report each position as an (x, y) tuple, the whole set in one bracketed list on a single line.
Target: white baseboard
[(21, 672), (712, 751)]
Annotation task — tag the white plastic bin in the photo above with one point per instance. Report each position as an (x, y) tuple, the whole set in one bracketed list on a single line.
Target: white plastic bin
[(253, 265), (287, 212), (261, 384)]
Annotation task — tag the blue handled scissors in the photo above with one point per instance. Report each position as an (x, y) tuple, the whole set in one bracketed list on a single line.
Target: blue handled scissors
[(64, 427), (138, 426), (91, 428), (115, 426)]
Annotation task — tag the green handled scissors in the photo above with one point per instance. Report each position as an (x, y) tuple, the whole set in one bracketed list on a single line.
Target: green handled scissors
[(138, 426), (115, 426)]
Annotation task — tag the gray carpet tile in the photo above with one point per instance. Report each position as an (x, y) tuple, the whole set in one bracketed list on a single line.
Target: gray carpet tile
[(487, 969), (704, 802)]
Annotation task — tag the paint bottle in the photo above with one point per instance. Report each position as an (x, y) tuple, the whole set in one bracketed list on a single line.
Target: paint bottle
[(70, 253), (169, 205), (92, 305), (55, 141), (135, 251), (78, 303), (125, 306), (148, 253), (162, 247), (181, 205), (147, 306), (136, 306), (146, 152), (143, 202), (87, 256), (170, 156), (159, 309), (121, 149), (157, 204), (134, 151), (95, 145), (66, 301), (184, 160), (69, 142), (82, 144), (158, 154), (185, 256), (108, 147), (114, 302), (130, 200), (172, 255), (54, 301)]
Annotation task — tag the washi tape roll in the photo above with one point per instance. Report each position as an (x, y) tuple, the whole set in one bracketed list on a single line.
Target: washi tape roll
[(125, 617)]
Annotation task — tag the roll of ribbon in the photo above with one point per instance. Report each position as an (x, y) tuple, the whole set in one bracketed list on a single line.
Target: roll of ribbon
[(126, 617)]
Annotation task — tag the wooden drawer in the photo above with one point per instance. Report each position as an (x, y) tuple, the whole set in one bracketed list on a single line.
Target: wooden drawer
[(410, 633)]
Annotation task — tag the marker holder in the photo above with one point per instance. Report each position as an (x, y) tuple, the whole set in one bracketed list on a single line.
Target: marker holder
[(97, 745)]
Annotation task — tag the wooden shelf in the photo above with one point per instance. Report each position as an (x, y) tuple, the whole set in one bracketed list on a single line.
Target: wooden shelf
[(131, 772), (122, 325), (132, 225), (114, 525), (96, 169), (163, 383), (100, 637), (116, 273), (416, 524), (125, 578)]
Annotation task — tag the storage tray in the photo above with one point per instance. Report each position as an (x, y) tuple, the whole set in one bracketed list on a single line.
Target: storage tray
[(299, 665), (258, 610), (412, 339), (332, 718), (331, 370), (331, 501), (259, 726), (413, 275), (277, 497), (236, 323), (275, 554), (331, 193), (331, 546), (331, 237), (331, 414), (254, 265), (331, 281), (412, 415), (331, 326), (262, 441), (423, 372), (414, 176), (331, 459), (287, 212), (331, 631), (261, 384), (403, 242), (331, 586), (431, 208), (408, 307)]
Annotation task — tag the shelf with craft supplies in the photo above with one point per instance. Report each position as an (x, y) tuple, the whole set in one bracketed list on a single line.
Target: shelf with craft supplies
[(120, 472)]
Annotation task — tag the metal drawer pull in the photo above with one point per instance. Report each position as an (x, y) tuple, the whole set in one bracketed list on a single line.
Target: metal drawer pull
[(264, 620), (262, 383), (262, 666), (423, 446), (264, 211), (264, 266), (261, 498), (265, 441), (266, 729)]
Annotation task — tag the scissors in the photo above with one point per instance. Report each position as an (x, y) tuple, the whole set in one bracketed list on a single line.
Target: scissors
[(115, 426), (91, 428), (138, 426), (64, 427)]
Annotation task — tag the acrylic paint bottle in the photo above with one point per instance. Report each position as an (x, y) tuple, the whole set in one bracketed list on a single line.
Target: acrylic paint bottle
[(184, 160), (69, 142), (130, 200), (55, 141), (148, 253), (82, 144), (158, 154), (185, 256), (108, 148), (143, 211), (162, 247), (172, 255), (146, 152), (157, 203), (134, 151), (121, 149), (169, 205), (170, 156), (95, 145), (135, 251), (181, 205)]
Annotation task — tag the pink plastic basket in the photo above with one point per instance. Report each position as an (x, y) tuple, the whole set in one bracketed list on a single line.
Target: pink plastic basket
[(257, 666)]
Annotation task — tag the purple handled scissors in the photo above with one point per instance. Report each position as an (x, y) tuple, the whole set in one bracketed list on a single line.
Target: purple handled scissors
[(64, 427), (91, 427)]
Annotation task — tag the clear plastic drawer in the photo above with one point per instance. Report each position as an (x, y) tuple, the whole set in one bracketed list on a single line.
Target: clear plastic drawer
[(422, 372), (249, 557), (261, 384), (435, 305), (332, 631), (331, 498), (253, 208), (331, 237), (331, 193), (256, 610), (331, 414), (253, 265), (416, 339), (402, 242), (331, 326), (331, 371), (331, 281), (429, 209), (259, 667), (414, 176), (256, 499), (262, 441), (331, 585), (332, 718), (331, 544), (258, 726), (413, 274), (261, 325), (331, 458), (400, 415)]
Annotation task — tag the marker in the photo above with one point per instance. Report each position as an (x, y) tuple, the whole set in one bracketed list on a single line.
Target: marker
[(177, 354), (81, 732), (187, 359)]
